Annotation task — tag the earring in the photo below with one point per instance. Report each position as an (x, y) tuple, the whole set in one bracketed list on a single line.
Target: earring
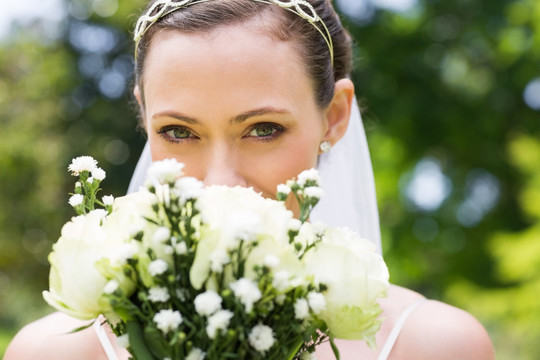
[(325, 146)]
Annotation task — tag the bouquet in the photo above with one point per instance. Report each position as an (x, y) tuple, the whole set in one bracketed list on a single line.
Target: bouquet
[(183, 271)]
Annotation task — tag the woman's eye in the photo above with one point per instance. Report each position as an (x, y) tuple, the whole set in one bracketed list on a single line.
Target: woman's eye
[(265, 130), (176, 133)]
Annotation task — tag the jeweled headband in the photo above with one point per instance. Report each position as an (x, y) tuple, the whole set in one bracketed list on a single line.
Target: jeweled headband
[(163, 7)]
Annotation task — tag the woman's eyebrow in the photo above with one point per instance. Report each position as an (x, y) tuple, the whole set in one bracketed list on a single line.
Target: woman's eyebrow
[(176, 115), (257, 112), (234, 120)]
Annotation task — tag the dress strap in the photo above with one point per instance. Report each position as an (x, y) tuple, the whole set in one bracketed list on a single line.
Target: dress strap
[(389, 344), (104, 339)]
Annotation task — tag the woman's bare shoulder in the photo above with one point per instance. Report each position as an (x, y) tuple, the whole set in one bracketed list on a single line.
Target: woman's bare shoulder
[(50, 338), (436, 330)]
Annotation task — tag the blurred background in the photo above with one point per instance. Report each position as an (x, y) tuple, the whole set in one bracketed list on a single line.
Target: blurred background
[(450, 91)]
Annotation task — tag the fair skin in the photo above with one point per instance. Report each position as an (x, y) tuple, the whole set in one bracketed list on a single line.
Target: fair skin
[(223, 107)]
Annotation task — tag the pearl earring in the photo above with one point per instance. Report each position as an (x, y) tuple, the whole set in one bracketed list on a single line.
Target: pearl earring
[(325, 146)]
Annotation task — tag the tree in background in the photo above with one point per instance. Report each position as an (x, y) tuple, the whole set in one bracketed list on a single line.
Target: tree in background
[(450, 92)]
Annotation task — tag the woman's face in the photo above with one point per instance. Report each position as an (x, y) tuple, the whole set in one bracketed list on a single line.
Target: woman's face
[(235, 106)]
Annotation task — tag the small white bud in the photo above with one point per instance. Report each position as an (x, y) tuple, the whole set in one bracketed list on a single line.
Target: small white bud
[(98, 174), (284, 189), (108, 200), (76, 200)]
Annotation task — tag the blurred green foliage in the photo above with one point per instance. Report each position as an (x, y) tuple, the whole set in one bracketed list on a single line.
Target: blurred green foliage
[(441, 85)]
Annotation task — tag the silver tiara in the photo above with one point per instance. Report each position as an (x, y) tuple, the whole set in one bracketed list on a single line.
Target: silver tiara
[(302, 8)]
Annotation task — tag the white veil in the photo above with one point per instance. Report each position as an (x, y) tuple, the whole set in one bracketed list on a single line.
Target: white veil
[(347, 180)]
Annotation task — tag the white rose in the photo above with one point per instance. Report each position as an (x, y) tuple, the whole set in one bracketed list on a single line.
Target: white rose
[(231, 213), (91, 251), (76, 284), (356, 277)]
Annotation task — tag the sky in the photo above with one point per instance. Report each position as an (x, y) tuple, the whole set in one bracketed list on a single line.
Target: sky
[(27, 11)]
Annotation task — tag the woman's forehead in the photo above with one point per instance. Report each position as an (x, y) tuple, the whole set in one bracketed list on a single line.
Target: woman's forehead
[(233, 62)]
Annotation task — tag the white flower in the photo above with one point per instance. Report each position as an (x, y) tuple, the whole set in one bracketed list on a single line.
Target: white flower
[(136, 226), (90, 180), (227, 212), (301, 309), (181, 248), (188, 188), (244, 225), (261, 338), (165, 171), (98, 174), (284, 189), (108, 200), (76, 285), (76, 200), (271, 261), (309, 175), (126, 252), (123, 341), (314, 192), (157, 267), (99, 213), (307, 235), (295, 225), (207, 303), (247, 292), (111, 287), (356, 277), (218, 259), (158, 294), (168, 250), (168, 320), (219, 321), (298, 281), (281, 280), (82, 163), (316, 301), (161, 235), (196, 354)]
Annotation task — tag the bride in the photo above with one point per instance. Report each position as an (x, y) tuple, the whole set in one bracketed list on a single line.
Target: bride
[(250, 93)]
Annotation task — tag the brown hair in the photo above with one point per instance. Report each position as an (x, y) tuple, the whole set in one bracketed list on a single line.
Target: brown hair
[(288, 26)]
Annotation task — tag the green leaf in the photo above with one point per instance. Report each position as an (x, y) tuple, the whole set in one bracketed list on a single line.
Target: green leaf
[(82, 327), (155, 341), (334, 347), (137, 342)]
